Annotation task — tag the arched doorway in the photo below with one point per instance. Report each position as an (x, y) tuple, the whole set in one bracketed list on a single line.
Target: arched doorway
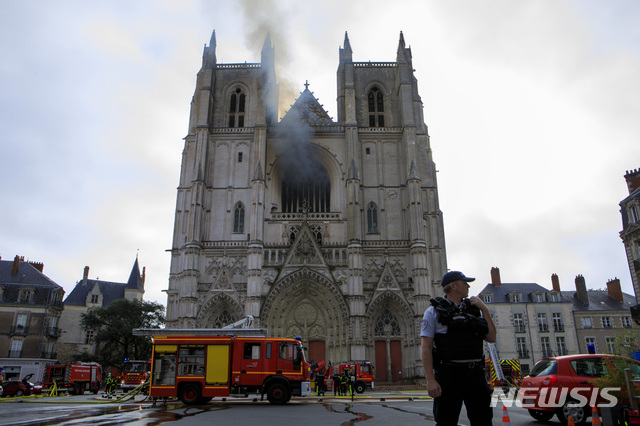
[(308, 305)]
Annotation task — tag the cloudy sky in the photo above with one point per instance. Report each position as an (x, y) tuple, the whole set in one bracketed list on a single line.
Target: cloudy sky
[(533, 108)]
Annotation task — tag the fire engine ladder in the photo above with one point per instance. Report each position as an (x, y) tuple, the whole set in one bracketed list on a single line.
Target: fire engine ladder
[(496, 361), (246, 322), (631, 388), (253, 332)]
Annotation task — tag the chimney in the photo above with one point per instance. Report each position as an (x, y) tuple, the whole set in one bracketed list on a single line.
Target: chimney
[(16, 263), (613, 287), (85, 276), (495, 277), (555, 282), (144, 273), (633, 180), (38, 265), (581, 291)]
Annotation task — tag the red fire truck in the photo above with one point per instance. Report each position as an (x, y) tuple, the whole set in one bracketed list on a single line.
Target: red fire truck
[(363, 371), (75, 378), (134, 373), (196, 365)]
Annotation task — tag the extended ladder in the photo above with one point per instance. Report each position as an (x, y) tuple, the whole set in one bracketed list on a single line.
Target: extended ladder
[(496, 361)]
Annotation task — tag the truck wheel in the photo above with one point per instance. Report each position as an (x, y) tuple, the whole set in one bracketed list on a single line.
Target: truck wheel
[(19, 392), (278, 393), (190, 394), (359, 387)]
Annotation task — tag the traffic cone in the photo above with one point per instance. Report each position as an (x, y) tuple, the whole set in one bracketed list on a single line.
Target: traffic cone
[(505, 416), (595, 419), (570, 421)]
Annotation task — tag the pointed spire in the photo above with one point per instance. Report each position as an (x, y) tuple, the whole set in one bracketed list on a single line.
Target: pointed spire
[(346, 54), (267, 41), (400, 56), (267, 56), (209, 55), (257, 173), (347, 45), (212, 42), (135, 279)]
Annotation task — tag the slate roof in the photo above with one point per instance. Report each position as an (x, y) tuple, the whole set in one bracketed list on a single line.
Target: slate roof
[(27, 276), (111, 291), (501, 293), (600, 300)]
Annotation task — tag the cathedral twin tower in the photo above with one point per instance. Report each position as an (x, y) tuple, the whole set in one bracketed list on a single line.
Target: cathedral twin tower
[(328, 230)]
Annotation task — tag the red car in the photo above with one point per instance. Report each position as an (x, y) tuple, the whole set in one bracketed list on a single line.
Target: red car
[(563, 385), (15, 388), (20, 387)]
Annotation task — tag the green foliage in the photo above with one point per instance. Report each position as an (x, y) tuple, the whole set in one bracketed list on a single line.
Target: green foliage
[(114, 325)]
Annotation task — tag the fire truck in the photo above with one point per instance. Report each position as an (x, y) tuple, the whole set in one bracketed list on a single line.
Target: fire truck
[(134, 373), (502, 373), (363, 371), (196, 365), (74, 378)]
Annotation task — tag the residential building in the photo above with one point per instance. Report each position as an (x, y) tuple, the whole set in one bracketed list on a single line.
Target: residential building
[(531, 321), (30, 309), (88, 294), (326, 229), (602, 316), (630, 234)]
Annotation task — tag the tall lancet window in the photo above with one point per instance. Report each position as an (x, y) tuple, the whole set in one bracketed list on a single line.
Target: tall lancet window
[(305, 187), (237, 108), (375, 100), (372, 219), (238, 218)]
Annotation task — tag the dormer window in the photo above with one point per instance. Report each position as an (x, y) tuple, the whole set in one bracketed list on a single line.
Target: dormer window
[(486, 298), (375, 100), (95, 298), (553, 297), (237, 108), (538, 297), (25, 296), (515, 297)]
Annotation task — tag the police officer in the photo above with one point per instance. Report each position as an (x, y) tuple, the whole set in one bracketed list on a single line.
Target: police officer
[(453, 332)]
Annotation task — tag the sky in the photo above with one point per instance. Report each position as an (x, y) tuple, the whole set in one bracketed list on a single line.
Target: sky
[(533, 108)]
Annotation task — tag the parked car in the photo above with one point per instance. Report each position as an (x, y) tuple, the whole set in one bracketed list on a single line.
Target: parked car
[(555, 384), (15, 388)]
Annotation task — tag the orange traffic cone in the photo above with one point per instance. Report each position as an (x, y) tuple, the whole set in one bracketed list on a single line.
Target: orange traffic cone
[(595, 419), (570, 421), (505, 416)]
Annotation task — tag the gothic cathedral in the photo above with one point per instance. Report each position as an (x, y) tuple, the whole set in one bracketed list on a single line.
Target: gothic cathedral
[(327, 230)]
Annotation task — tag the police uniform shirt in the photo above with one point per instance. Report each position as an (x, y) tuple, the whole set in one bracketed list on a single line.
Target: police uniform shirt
[(430, 325)]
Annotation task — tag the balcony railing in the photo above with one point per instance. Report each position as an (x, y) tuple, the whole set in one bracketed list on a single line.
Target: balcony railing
[(562, 351), (15, 354), (543, 327), (523, 353), (19, 329), (520, 328), (547, 352), (52, 331), (558, 327), (48, 354)]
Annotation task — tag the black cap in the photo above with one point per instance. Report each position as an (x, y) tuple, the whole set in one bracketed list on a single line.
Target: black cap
[(452, 276)]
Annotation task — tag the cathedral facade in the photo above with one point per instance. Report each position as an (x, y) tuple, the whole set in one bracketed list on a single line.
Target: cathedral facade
[(327, 230)]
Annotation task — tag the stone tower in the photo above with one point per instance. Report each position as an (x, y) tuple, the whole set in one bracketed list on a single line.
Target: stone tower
[(328, 230)]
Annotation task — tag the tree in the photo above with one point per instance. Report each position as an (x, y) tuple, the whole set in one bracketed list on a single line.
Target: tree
[(113, 327)]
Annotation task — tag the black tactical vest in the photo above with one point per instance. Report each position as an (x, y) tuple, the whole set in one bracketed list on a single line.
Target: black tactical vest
[(465, 331)]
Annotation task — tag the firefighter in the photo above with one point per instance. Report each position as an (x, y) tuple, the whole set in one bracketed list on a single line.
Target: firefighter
[(344, 382), (320, 386), (109, 387), (336, 384)]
